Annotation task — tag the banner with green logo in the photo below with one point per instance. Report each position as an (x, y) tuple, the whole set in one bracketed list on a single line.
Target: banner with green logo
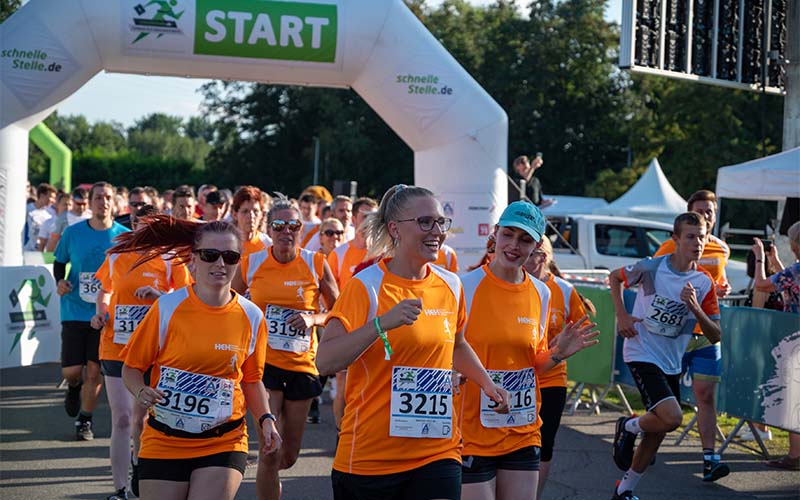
[(594, 364), (291, 31), (29, 315)]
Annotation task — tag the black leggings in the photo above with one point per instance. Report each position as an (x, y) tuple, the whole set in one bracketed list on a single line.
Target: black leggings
[(550, 410)]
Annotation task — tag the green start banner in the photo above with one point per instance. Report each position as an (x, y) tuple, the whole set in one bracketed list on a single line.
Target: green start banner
[(253, 29), (266, 30), (761, 366), (594, 364)]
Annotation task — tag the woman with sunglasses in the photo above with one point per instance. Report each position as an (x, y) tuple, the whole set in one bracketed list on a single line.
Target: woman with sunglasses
[(286, 282), (566, 306), (126, 293), (507, 314), (397, 329), (331, 235), (206, 345)]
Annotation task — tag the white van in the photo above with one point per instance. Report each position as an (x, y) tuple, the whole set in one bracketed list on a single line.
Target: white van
[(609, 242)]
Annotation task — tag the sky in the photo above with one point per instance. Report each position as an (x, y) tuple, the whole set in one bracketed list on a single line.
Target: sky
[(99, 99)]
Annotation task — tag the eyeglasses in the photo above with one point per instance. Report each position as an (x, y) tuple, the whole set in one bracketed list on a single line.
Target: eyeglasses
[(331, 232), (229, 257), (426, 223), (278, 225), (137, 204)]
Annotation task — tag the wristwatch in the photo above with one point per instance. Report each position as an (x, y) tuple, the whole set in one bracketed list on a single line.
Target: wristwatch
[(556, 359), (266, 416)]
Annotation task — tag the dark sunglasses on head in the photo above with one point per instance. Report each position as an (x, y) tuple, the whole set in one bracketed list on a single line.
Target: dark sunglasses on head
[(229, 257), (331, 232), (278, 225)]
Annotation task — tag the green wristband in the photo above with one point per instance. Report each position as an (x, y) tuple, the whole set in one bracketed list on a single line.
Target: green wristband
[(382, 334)]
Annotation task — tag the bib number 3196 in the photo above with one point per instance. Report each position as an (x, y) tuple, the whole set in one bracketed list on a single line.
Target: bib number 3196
[(422, 403)]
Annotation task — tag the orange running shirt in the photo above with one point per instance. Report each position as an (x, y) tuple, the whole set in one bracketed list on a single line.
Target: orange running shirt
[(125, 310), (398, 413), (447, 259), (506, 331), (565, 305), (279, 290), (343, 262), (200, 355), (259, 242)]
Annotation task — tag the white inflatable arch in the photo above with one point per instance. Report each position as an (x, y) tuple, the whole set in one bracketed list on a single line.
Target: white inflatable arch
[(50, 48)]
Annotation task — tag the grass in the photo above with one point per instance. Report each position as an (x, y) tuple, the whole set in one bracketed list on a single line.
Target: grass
[(777, 446)]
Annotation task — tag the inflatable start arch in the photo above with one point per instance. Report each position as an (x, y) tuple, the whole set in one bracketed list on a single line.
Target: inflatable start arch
[(50, 48)]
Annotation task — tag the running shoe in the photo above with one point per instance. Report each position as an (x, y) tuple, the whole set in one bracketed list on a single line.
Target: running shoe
[(313, 412), (72, 400), (748, 435), (786, 463), (121, 494), (624, 443), (625, 495), (714, 470), (83, 430)]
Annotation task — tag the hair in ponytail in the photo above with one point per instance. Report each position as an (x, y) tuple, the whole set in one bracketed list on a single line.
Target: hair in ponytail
[(160, 235), (393, 204)]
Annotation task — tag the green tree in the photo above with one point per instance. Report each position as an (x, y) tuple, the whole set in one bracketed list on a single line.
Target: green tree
[(8, 7)]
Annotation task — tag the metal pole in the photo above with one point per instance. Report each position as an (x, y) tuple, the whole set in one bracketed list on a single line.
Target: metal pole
[(791, 103), (353, 189), (316, 161)]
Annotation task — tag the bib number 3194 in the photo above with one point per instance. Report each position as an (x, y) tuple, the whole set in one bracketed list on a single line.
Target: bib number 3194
[(422, 403), (280, 335), (521, 387)]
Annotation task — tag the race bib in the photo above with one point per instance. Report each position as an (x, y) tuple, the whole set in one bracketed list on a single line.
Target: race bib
[(88, 286), (521, 387), (126, 319), (665, 316), (422, 403), (283, 337), (193, 402)]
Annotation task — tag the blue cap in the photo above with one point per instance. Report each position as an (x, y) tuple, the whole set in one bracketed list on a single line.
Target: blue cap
[(525, 216)]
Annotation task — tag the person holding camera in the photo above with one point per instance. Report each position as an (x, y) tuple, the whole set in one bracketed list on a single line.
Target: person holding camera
[(524, 168)]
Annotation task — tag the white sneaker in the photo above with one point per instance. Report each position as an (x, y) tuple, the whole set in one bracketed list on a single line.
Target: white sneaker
[(747, 435)]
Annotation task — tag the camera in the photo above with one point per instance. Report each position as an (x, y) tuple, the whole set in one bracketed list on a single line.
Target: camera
[(767, 245)]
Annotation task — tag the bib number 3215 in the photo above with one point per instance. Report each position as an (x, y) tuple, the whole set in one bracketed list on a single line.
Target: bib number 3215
[(422, 403)]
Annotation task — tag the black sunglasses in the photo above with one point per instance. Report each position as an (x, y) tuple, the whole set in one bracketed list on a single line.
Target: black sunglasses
[(229, 257), (137, 204), (331, 232), (294, 225)]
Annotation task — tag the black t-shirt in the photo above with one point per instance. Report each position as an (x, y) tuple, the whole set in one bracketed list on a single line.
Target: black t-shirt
[(533, 190)]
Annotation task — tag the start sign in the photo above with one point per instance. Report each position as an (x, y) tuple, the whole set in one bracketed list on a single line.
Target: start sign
[(266, 30)]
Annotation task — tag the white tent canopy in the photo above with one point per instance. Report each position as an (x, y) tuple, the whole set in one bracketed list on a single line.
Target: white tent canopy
[(652, 197), (773, 178)]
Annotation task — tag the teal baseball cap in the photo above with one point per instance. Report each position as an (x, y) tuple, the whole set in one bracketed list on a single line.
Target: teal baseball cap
[(525, 216)]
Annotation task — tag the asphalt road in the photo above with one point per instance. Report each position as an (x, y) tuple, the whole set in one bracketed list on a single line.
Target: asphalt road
[(39, 458)]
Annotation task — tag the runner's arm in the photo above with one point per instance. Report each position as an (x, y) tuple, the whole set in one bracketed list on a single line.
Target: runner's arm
[(466, 362), (625, 322)]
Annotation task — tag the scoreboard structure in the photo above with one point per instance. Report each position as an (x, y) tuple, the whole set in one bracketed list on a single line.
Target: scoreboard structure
[(731, 43)]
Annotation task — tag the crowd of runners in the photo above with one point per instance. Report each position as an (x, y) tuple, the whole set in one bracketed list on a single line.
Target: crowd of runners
[(195, 309)]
